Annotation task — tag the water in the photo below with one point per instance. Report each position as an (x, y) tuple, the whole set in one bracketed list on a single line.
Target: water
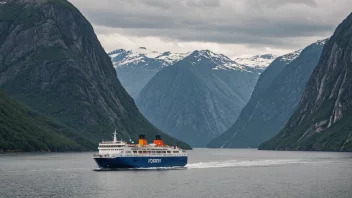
[(210, 173)]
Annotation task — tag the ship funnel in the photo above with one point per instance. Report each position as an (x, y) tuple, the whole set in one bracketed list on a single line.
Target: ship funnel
[(158, 141), (142, 140)]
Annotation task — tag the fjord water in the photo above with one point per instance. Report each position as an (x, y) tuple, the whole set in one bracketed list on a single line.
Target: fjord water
[(209, 173)]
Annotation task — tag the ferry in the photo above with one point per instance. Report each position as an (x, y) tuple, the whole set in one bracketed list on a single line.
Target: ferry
[(120, 154)]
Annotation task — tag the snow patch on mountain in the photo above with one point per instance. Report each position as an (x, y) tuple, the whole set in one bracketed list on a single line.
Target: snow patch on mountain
[(171, 58), (131, 58), (220, 61), (291, 56), (258, 61)]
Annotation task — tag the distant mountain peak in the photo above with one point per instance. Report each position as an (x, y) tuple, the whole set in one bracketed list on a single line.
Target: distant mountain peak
[(122, 57), (220, 61), (291, 56), (257, 61), (322, 42)]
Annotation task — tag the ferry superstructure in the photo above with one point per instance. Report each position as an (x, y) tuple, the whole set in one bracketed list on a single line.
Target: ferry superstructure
[(120, 154)]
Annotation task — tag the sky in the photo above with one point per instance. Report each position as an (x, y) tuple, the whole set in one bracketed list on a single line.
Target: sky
[(235, 28)]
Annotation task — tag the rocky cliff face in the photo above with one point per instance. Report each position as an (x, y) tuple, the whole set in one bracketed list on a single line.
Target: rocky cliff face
[(51, 60), (322, 120), (198, 97), (274, 99)]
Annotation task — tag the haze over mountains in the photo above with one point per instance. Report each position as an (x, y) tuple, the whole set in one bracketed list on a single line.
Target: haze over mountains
[(274, 99), (52, 62)]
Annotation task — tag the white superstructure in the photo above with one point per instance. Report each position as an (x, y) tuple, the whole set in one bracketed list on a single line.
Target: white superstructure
[(123, 149)]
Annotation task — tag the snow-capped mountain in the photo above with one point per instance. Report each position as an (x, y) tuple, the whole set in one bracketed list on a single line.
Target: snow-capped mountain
[(136, 67), (258, 61), (220, 61), (142, 57), (290, 56), (198, 97)]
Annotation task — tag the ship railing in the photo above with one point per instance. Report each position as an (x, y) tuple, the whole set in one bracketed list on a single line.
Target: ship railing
[(102, 155)]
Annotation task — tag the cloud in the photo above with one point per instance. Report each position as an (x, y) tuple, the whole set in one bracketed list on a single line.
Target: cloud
[(253, 24), (280, 3), (203, 3)]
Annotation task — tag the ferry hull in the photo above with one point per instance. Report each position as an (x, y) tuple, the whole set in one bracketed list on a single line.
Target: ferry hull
[(141, 162)]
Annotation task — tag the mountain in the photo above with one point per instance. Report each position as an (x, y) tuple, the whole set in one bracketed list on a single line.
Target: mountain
[(260, 62), (322, 120), (24, 130), (274, 99), (52, 61), (136, 67), (198, 97)]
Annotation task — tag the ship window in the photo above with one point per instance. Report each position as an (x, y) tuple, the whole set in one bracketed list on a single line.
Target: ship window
[(134, 151), (164, 151), (144, 151), (158, 151), (175, 151), (168, 151)]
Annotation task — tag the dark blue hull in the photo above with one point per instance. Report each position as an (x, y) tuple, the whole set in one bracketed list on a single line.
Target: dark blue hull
[(141, 162)]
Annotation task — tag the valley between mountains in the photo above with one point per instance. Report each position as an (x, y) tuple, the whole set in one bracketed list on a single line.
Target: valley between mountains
[(61, 91)]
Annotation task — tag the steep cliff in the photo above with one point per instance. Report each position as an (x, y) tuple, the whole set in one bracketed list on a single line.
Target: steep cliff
[(274, 99), (198, 97), (322, 120), (51, 60)]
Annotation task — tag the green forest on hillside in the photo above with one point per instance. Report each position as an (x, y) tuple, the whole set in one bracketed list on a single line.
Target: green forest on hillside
[(24, 130)]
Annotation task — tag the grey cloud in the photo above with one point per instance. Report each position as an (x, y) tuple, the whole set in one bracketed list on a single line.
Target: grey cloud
[(252, 22), (158, 3), (203, 3), (279, 3)]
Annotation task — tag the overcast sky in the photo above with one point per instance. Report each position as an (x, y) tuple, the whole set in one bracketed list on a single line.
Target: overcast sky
[(231, 27)]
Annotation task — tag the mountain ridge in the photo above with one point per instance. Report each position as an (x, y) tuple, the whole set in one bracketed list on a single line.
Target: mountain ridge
[(273, 99), (52, 61), (198, 96), (135, 67), (322, 120)]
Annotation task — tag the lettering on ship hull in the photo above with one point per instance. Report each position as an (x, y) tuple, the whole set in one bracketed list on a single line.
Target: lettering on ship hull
[(152, 161)]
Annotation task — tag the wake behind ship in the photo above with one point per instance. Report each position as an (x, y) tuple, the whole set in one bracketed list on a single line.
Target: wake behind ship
[(119, 154)]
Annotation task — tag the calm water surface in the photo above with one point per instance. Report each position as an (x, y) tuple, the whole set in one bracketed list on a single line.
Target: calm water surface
[(209, 173)]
